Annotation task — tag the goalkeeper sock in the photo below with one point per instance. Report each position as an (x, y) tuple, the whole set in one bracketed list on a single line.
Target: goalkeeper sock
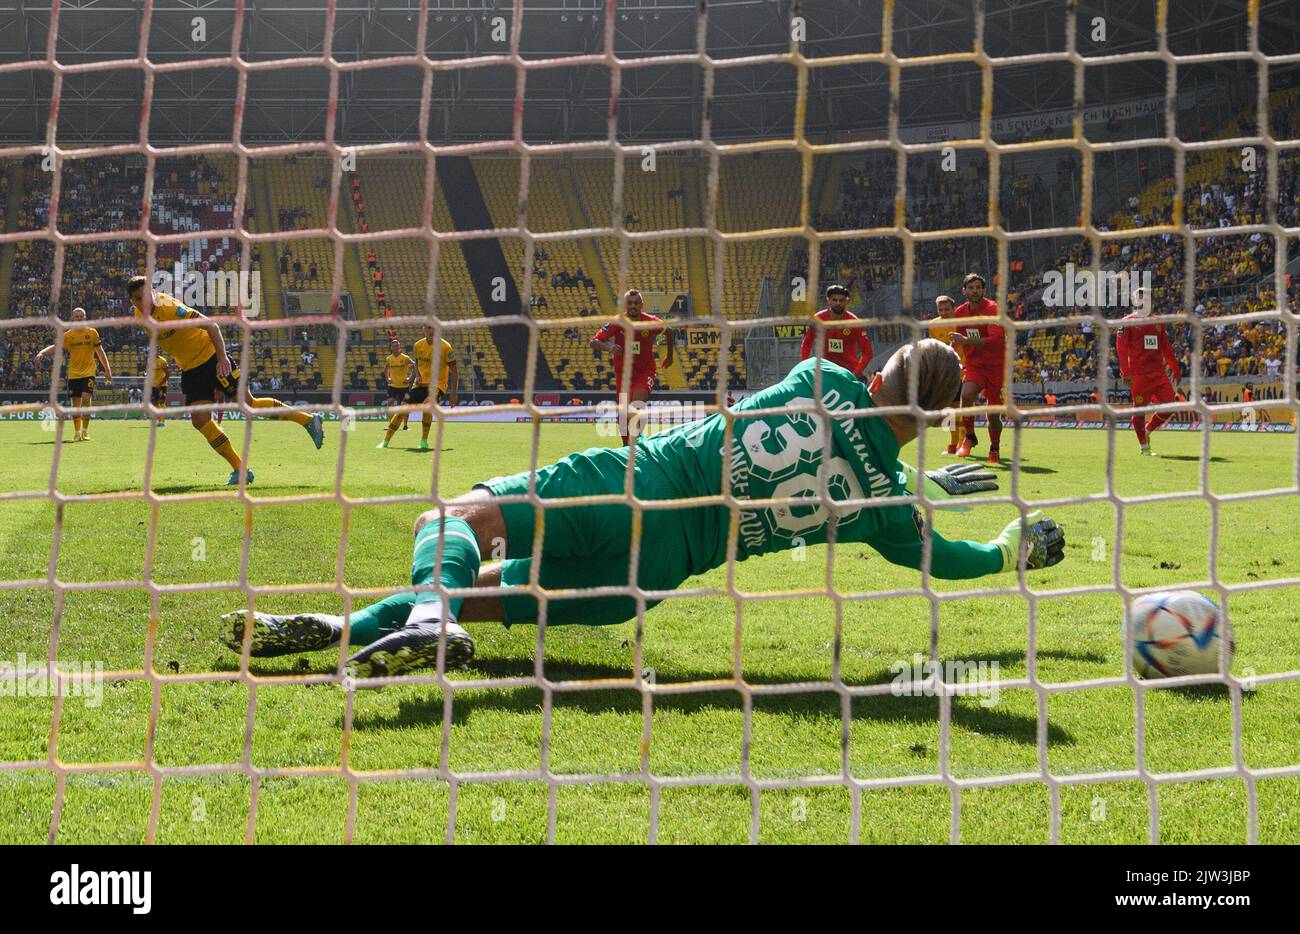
[(424, 425), (379, 619), (301, 418), (460, 564), (1140, 428), (1157, 419), (220, 443), (459, 567)]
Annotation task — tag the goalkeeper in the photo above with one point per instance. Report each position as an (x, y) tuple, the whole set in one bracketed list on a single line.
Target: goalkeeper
[(776, 456)]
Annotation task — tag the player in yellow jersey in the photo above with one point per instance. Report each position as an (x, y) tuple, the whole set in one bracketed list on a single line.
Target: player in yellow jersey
[(200, 352), (431, 353), (158, 395), (82, 347), (940, 329), (399, 370)]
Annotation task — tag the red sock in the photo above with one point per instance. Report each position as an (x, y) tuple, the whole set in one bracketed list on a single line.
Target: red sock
[(1140, 427), (1156, 420), (969, 423), (995, 436)]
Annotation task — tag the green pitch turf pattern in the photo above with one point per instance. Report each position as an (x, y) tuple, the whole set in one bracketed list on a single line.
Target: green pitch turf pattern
[(787, 640)]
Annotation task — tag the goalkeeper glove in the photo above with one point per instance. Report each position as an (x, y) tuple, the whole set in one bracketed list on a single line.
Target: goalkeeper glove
[(950, 481), (1045, 545)]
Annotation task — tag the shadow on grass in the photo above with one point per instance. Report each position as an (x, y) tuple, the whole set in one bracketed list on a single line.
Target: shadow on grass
[(253, 489), (967, 713), (1211, 693), (1214, 459), (819, 702)]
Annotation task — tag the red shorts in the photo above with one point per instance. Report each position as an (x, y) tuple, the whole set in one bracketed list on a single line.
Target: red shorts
[(988, 379), (1148, 390), (644, 381)]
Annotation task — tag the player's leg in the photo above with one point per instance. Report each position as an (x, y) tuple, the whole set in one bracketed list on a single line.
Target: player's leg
[(75, 391), (159, 400), (269, 407), (395, 421), (582, 546), (86, 401), (1139, 390), (206, 426), (426, 421), (427, 418), (199, 385), (970, 391), (448, 548), (641, 389), (991, 385), (1162, 392), (289, 634)]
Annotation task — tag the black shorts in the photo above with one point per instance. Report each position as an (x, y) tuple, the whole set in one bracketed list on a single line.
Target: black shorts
[(418, 395), (201, 383), (158, 395), (396, 394), (81, 386)]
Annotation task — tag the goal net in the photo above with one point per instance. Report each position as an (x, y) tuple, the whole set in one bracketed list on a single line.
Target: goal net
[(954, 767)]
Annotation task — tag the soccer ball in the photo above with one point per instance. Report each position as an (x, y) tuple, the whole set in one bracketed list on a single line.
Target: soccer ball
[(1176, 633)]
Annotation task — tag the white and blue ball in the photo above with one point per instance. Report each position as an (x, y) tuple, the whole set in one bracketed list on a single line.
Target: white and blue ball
[(1176, 633)]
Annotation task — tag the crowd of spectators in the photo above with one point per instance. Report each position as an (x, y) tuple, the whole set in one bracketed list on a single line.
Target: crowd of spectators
[(1233, 273)]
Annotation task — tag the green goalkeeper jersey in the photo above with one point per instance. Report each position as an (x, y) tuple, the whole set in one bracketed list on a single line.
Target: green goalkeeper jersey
[(784, 456)]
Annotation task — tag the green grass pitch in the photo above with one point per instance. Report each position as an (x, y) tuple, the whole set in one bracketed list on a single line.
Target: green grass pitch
[(600, 731)]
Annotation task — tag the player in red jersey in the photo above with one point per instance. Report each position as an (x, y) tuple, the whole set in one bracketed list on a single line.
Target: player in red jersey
[(983, 363), (613, 338), (1144, 351), (849, 347)]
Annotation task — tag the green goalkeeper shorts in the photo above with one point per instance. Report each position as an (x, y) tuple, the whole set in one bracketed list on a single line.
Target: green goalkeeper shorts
[(590, 546)]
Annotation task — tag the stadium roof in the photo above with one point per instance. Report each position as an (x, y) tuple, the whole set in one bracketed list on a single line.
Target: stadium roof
[(381, 100)]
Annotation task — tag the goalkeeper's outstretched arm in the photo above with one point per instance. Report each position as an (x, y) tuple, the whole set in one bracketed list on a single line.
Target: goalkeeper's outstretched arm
[(1031, 543)]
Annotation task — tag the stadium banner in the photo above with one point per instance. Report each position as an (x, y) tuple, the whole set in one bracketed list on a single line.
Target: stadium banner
[(667, 304), (703, 337), (1283, 427)]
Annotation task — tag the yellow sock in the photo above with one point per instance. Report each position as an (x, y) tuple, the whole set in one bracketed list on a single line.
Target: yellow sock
[(424, 425), (220, 443), (394, 424), (301, 418)]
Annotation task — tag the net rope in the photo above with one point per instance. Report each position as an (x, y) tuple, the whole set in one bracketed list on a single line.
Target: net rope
[(720, 240)]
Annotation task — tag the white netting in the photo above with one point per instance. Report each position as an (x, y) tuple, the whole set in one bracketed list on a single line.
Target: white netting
[(720, 240)]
